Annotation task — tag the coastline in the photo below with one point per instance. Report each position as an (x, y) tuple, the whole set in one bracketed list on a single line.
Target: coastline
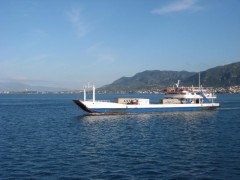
[(218, 90)]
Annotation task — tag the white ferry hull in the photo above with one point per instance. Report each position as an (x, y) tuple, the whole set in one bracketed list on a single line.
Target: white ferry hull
[(116, 108), (175, 99)]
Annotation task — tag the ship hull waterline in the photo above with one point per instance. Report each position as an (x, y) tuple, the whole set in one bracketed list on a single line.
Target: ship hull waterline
[(114, 108)]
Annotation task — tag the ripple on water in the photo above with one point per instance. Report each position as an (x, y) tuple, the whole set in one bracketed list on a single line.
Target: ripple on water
[(49, 138)]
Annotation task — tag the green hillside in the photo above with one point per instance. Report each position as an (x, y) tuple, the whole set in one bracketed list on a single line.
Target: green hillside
[(147, 80), (220, 76)]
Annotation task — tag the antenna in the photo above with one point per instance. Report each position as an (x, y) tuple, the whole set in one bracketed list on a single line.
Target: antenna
[(199, 80), (85, 88), (178, 83), (84, 93)]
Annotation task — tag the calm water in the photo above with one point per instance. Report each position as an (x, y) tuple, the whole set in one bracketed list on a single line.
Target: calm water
[(48, 137)]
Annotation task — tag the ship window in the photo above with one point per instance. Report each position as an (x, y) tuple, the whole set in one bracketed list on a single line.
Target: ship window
[(188, 101), (197, 101)]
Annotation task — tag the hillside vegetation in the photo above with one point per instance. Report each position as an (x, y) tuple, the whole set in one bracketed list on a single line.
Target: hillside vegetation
[(220, 76)]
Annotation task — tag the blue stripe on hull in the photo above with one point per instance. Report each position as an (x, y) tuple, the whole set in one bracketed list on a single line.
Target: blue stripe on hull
[(147, 110)]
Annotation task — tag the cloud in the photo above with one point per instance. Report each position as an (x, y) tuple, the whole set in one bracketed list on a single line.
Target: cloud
[(76, 18), (101, 54), (106, 58), (176, 6), (40, 32), (40, 57)]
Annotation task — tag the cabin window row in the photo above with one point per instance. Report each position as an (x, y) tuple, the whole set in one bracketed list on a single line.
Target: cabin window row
[(194, 101)]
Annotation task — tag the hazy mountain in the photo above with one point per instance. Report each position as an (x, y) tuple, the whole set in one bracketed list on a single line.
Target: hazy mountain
[(10, 86), (220, 76), (148, 79), (15, 86)]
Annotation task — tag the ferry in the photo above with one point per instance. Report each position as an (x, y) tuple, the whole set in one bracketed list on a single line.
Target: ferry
[(176, 98)]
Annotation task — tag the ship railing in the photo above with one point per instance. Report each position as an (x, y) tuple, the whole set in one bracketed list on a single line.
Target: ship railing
[(197, 89), (100, 100), (190, 88)]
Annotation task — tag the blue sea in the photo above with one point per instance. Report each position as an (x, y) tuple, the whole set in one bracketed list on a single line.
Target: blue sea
[(49, 137)]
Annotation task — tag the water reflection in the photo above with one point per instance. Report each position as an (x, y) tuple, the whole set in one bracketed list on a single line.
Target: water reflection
[(229, 108), (188, 116), (93, 118)]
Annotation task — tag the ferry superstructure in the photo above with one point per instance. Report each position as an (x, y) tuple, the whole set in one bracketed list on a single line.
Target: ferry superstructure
[(176, 98)]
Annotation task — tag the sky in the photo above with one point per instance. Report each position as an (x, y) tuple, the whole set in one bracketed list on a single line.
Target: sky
[(67, 43)]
